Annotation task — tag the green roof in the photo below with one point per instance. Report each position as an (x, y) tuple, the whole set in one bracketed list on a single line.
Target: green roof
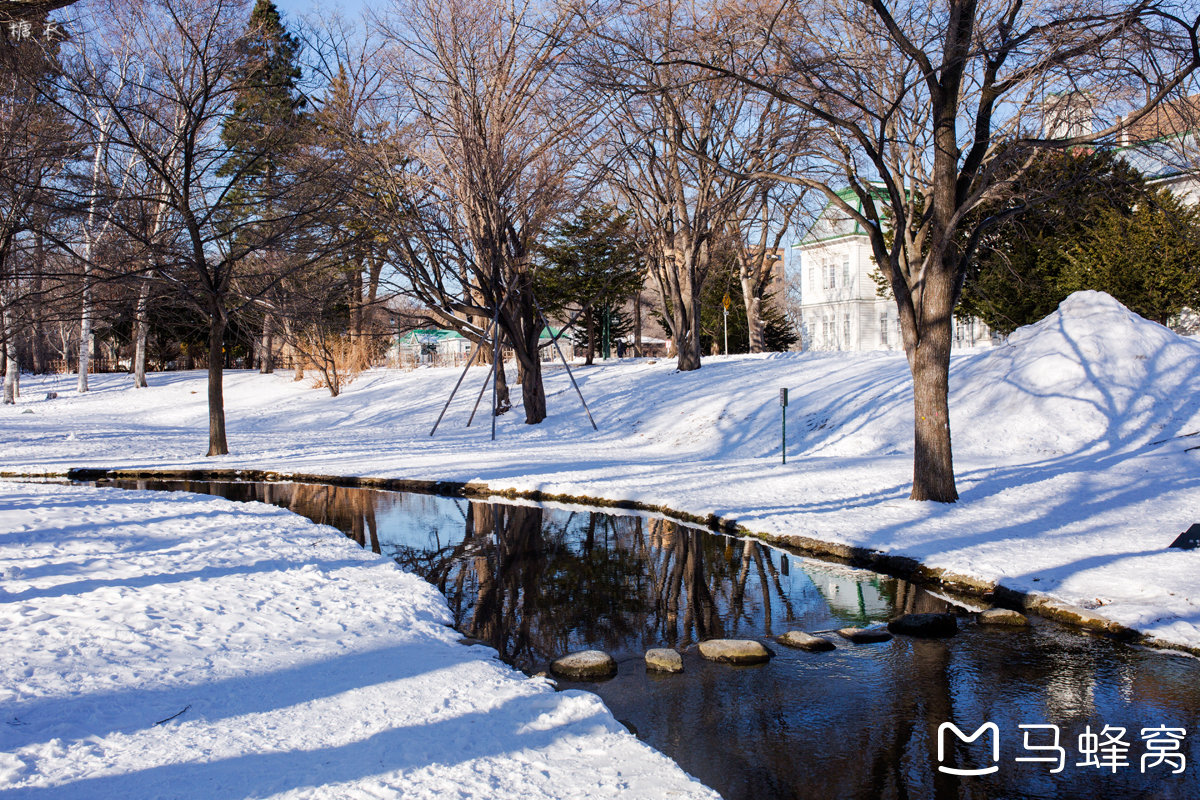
[(429, 333), (425, 334)]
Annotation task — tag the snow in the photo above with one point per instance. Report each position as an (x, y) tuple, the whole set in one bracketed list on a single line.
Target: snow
[(181, 646), (1072, 451)]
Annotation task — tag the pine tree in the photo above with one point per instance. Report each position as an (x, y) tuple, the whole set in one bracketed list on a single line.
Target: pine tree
[(1148, 259), (1016, 277), (265, 128), (267, 122), (591, 264)]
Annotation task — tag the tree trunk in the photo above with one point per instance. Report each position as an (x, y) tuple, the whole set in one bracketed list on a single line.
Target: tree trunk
[(637, 325), (38, 349), (373, 278), (533, 392), (85, 331), (679, 291), (217, 445), (266, 355), (591, 335), (758, 339), (11, 368), (11, 373), (929, 362), (689, 344), (139, 351), (524, 330), (356, 305), (687, 328)]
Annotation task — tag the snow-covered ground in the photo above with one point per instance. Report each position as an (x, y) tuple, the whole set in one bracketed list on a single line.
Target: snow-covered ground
[(181, 646), (1073, 452)]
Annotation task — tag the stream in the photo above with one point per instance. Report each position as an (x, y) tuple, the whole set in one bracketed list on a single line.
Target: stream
[(862, 721)]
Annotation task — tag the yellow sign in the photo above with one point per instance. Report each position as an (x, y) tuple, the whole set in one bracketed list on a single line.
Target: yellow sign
[(727, 302)]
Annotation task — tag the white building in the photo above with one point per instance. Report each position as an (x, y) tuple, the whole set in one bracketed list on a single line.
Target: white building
[(840, 306)]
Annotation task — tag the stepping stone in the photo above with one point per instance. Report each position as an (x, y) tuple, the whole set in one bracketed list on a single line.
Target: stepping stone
[(663, 660), (928, 625), (865, 635), (584, 665), (735, 651), (805, 641), (1002, 616)]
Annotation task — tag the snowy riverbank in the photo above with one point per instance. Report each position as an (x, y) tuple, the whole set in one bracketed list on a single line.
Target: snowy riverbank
[(180, 646), (1071, 449)]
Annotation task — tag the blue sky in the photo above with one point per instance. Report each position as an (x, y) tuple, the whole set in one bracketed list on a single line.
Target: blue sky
[(294, 8)]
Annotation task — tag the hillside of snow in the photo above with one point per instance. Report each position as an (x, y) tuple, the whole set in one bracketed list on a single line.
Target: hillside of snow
[(1072, 448)]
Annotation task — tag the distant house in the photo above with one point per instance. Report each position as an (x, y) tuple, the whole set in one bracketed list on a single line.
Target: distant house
[(1165, 147), (546, 345), (424, 345), (438, 347), (840, 306)]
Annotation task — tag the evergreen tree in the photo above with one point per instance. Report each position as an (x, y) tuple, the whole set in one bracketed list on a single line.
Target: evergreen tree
[(267, 121), (262, 132), (778, 334), (1148, 259), (590, 265), (1017, 276)]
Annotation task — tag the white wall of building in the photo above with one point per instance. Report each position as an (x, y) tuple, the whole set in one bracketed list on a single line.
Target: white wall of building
[(840, 305)]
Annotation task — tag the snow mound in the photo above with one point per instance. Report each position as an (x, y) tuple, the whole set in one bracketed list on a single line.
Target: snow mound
[(1092, 374)]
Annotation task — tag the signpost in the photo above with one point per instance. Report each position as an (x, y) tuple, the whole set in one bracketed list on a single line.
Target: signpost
[(783, 418), (726, 302)]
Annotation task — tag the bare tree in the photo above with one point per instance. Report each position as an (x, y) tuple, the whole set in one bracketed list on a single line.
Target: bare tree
[(685, 145), (480, 158), (108, 173), (34, 150), (931, 108), (759, 224)]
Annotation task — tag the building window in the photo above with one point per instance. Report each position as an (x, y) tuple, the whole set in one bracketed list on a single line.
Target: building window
[(846, 270), (812, 279), (846, 328), (883, 326)]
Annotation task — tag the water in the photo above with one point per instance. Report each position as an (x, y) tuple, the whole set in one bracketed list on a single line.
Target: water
[(859, 722)]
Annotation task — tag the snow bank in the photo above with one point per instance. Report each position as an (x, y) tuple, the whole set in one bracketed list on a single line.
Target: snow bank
[(1092, 374), (180, 646)]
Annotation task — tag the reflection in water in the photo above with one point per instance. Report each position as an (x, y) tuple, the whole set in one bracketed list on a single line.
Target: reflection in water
[(859, 722)]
